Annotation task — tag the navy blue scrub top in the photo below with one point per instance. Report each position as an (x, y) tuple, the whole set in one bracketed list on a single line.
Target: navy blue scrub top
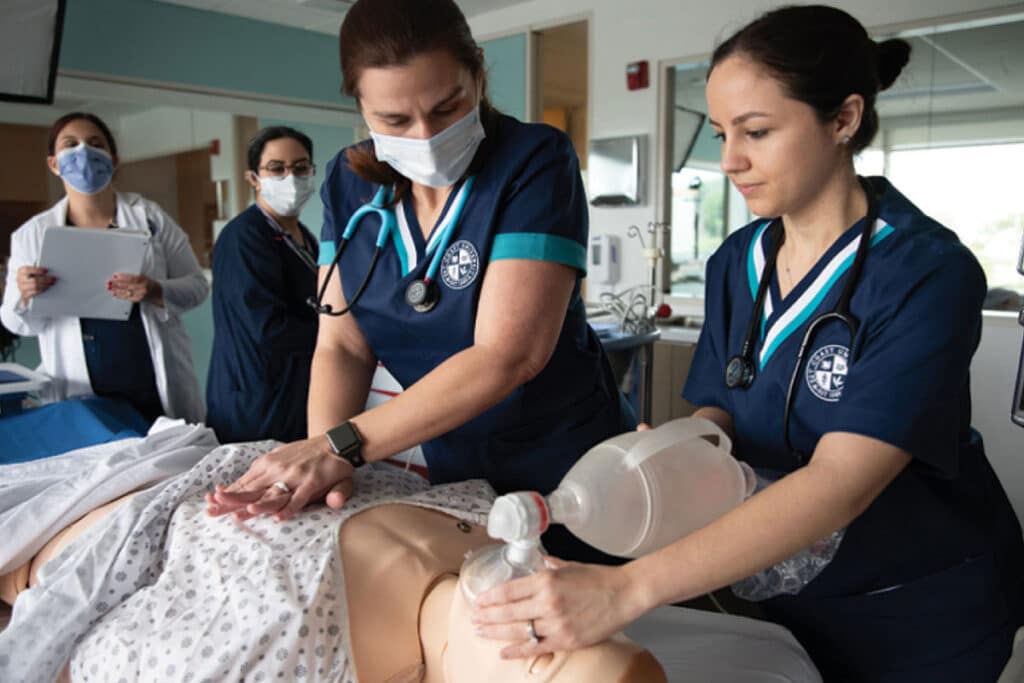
[(264, 332), (527, 202), (904, 379), (119, 363)]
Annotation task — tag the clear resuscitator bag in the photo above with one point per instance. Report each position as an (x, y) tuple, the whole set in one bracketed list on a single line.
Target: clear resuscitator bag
[(632, 495), (627, 496)]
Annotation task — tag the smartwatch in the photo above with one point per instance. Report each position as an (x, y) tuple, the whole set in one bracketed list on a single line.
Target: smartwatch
[(346, 444)]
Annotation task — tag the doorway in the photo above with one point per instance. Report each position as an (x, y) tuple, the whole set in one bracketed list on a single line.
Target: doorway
[(562, 81)]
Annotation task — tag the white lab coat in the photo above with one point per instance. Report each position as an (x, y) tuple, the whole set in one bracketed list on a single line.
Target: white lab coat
[(168, 259)]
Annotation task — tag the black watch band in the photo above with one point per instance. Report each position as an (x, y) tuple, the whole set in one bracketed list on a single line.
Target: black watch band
[(346, 444)]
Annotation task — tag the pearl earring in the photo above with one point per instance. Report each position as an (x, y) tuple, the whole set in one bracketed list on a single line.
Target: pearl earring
[(845, 139)]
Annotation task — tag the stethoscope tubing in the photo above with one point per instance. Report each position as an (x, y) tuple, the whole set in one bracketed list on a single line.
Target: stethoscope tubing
[(387, 220), (388, 228), (841, 312)]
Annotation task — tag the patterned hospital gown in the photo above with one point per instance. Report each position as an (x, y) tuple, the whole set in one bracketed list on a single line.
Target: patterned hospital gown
[(257, 600)]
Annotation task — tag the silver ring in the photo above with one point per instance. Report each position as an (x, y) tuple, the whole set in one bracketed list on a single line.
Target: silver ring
[(532, 632), (283, 486)]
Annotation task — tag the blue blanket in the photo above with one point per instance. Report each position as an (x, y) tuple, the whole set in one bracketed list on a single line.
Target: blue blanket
[(64, 426)]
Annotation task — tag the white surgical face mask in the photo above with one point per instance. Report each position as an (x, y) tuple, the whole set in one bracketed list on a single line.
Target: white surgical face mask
[(439, 161), (287, 195)]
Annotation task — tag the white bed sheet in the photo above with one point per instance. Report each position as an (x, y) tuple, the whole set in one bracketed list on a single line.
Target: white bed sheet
[(696, 646), (39, 498)]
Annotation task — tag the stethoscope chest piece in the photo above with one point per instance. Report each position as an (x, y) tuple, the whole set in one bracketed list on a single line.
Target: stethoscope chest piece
[(739, 372), (422, 295)]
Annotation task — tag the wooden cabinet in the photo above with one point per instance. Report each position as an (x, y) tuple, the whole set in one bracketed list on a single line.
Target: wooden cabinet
[(671, 365), (26, 185)]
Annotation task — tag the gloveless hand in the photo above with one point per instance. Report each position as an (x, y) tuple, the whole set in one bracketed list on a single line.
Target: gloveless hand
[(571, 605), (284, 481), (135, 288)]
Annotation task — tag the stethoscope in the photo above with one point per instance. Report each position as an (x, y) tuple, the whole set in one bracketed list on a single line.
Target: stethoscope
[(740, 370), (303, 254), (422, 294)]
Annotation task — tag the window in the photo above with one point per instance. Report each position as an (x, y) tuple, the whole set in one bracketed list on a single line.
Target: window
[(951, 138), (974, 191), (699, 214)]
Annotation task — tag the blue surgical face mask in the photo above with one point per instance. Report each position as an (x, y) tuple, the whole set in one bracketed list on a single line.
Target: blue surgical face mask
[(86, 169)]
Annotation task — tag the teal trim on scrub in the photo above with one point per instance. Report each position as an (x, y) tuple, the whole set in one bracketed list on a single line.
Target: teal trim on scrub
[(752, 274), (540, 247), (403, 256), (326, 253), (816, 301)]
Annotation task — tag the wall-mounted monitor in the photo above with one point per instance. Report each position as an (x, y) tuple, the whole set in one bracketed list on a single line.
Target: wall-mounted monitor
[(30, 49), (615, 171)]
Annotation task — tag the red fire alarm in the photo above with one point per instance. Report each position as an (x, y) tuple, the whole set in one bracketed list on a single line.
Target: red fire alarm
[(214, 147), (636, 75)]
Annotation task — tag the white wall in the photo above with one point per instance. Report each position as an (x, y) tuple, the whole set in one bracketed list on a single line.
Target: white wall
[(992, 381), (162, 130), (655, 30)]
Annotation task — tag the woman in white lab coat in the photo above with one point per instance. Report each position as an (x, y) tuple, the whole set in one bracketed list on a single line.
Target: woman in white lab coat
[(146, 360)]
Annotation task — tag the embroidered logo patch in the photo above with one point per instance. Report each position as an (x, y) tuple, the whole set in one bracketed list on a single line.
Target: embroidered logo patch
[(827, 370), (460, 265)]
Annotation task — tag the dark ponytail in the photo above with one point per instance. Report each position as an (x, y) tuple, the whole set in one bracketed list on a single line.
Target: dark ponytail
[(892, 56), (821, 55)]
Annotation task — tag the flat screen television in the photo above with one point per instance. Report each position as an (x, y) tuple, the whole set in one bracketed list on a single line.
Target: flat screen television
[(30, 35)]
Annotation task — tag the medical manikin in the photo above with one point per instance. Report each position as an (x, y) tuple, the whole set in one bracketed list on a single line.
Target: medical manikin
[(409, 619)]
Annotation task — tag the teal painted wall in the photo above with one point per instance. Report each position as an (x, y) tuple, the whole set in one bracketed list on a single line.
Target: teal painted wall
[(160, 42), (199, 325), (506, 73), (156, 41), (28, 353)]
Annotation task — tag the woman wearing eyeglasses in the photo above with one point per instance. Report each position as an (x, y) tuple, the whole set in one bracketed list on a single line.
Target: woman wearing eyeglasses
[(264, 269)]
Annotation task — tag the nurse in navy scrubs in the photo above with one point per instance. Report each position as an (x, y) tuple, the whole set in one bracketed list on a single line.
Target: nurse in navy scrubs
[(869, 431), (264, 269), (473, 302)]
